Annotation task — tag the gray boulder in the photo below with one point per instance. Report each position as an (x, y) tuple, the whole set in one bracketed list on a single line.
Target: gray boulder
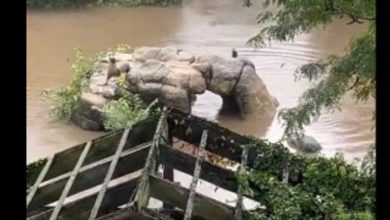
[(252, 95), (225, 73), (173, 83), (86, 114), (236, 80), (305, 144)]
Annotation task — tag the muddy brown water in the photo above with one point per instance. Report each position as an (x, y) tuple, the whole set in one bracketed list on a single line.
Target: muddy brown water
[(203, 27)]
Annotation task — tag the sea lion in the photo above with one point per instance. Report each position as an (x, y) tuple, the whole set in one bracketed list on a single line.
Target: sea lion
[(234, 53), (112, 69), (246, 61)]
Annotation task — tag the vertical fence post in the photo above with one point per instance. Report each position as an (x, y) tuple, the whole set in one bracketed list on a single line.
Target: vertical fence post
[(142, 194), (195, 178), (241, 169)]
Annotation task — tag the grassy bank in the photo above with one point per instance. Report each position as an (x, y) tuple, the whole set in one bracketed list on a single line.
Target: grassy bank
[(56, 4)]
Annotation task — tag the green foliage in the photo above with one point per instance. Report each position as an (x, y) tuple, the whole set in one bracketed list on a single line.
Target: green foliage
[(333, 77), (317, 188), (301, 16), (124, 48), (129, 109), (65, 98), (125, 112), (354, 216), (120, 113), (54, 4)]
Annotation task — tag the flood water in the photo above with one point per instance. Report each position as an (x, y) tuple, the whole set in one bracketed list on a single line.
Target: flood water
[(200, 26)]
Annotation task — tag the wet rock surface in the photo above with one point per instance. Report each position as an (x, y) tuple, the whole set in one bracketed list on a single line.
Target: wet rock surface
[(174, 77)]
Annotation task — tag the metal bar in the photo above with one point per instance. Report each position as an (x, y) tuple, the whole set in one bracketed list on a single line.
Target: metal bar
[(69, 184), (195, 178), (38, 181), (109, 174), (241, 170)]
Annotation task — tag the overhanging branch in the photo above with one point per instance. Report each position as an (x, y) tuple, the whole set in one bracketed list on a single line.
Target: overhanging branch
[(330, 6), (355, 83)]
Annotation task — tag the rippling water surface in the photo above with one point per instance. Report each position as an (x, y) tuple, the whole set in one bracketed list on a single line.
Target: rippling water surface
[(201, 26)]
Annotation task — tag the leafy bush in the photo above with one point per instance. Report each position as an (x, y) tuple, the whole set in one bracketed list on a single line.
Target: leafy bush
[(355, 216), (66, 98), (317, 188), (125, 112)]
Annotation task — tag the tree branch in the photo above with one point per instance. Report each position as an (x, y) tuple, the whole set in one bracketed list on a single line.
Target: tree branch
[(355, 83), (354, 20), (330, 6)]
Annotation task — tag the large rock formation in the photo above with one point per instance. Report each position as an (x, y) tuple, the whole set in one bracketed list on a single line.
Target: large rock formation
[(175, 77), (236, 81)]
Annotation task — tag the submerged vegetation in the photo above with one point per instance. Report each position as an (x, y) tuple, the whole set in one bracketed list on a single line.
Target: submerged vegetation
[(54, 4)]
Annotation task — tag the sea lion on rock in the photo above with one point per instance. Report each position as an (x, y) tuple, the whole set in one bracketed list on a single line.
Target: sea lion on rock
[(234, 53), (175, 77), (112, 69)]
